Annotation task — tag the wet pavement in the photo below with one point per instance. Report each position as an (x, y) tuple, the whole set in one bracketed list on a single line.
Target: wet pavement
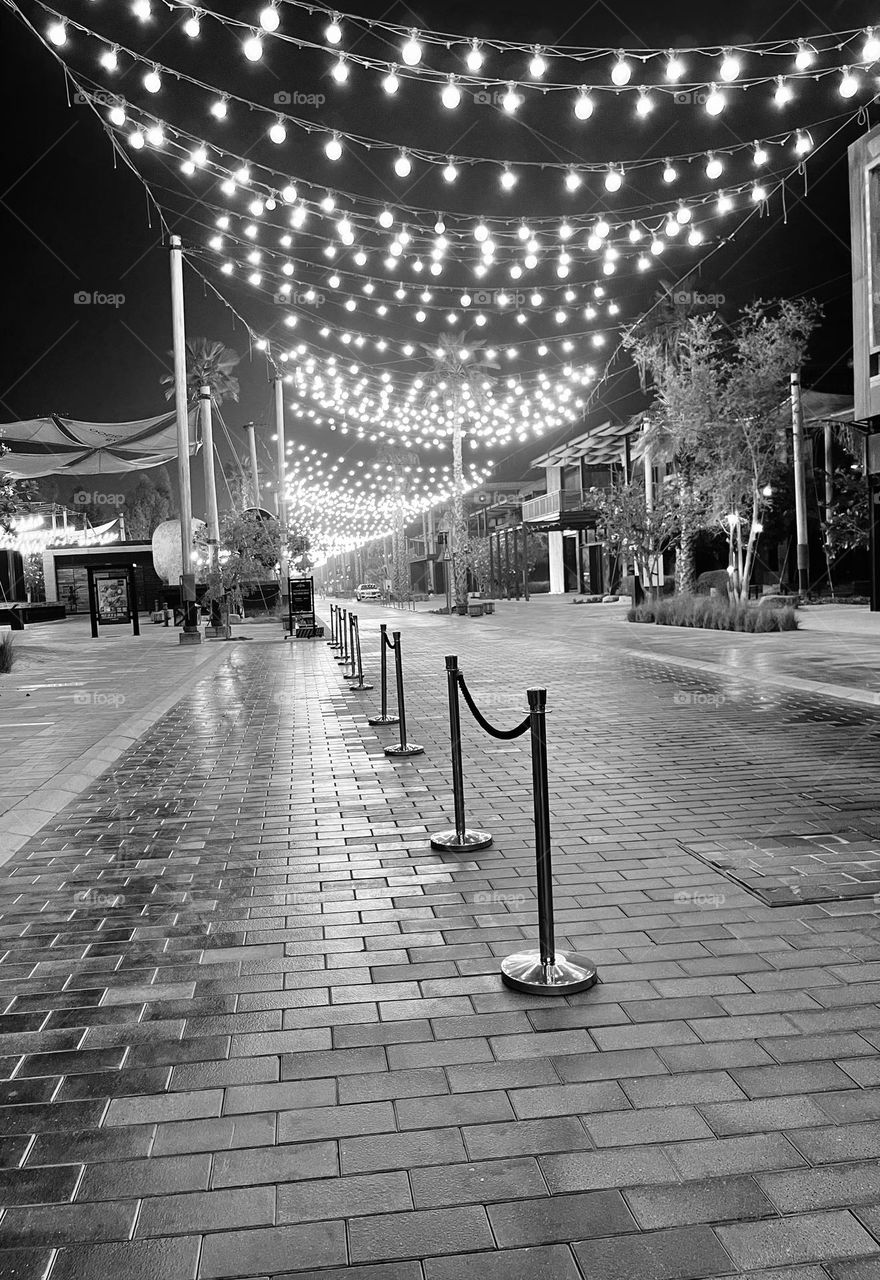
[(252, 1025)]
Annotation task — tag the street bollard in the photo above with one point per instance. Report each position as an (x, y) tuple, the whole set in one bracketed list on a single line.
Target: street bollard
[(545, 971), (342, 655), (358, 663), (333, 641), (404, 748), (460, 839), (383, 717)]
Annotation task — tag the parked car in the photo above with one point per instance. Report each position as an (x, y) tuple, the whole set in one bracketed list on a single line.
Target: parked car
[(366, 591)]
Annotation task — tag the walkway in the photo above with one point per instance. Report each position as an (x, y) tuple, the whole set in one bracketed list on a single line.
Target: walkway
[(254, 1027)]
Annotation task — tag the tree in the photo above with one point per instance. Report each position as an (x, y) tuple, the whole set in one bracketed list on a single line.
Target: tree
[(147, 506), (458, 376), (209, 363), (635, 532), (248, 554)]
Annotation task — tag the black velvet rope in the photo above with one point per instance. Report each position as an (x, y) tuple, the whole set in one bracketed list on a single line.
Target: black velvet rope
[(483, 722)]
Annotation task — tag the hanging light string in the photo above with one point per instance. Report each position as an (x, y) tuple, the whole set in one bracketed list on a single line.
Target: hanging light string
[(335, 140), (801, 54)]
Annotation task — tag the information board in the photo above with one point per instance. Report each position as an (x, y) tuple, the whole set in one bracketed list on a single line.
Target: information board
[(302, 595), (111, 596)]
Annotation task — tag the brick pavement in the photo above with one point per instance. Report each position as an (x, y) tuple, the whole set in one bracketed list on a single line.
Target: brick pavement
[(252, 1025)]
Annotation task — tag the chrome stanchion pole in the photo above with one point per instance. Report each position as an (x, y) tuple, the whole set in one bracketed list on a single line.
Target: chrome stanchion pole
[(545, 971), (404, 748), (349, 671), (459, 840), (332, 641), (342, 655), (358, 659), (383, 717)]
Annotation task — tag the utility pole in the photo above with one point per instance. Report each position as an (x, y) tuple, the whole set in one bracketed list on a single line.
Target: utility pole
[(800, 487), (190, 633)]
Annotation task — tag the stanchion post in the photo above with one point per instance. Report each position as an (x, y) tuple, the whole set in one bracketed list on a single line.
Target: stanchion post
[(332, 641), (460, 840), (360, 686), (404, 748), (383, 717), (545, 971), (342, 655), (349, 671)]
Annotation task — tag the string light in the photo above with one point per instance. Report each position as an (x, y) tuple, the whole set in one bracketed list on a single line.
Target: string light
[(219, 108), (621, 72), (674, 67), (784, 92), (403, 165), (253, 48), (391, 83), (109, 59), (451, 95), (270, 19), (715, 101), (583, 107), (474, 57), (511, 100), (538, 64), (849, 84), (333, 148), (333, 31), (412, 50), (192, 27), (339, 70), (57, 34), (806, 55)]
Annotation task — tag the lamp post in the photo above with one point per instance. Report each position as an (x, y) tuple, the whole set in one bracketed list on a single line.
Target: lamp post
[(190, 633)]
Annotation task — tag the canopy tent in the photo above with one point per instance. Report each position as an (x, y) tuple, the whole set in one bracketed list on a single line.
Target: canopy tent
[(57, 446)]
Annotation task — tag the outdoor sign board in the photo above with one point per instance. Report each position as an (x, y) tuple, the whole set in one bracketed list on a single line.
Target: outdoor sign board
[(302, 595), (112, 596)]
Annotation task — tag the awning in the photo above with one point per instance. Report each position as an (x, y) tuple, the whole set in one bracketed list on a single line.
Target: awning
[(57, 446)]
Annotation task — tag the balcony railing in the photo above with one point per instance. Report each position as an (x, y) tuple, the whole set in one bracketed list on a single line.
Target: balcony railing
[(551, 505)]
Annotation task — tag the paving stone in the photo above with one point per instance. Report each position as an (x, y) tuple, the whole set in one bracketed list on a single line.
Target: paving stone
[(841, 1185), (654, 1124), (401, 1151), (59, 1224), (525, 1137), (594, 1170), (809, 1077), (265, 1250), (419, 1233), (244, 1167), (680, 1253), (206, 1211), (562, 1218), (712, 1200), (820, 1237), (552, 1262), (364, 1194), (480, 1182), (721, 1156), (728, 1118), (831, 1143), (172, 1259)]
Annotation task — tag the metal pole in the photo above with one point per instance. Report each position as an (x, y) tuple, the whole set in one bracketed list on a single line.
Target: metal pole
[(460, 839), (405, 748), (360, 665), (800, 487), (250, 430), (190, 633), (281, 463), (346, 673), (211, 509), (383, 717), (342, 655), (545, 971)]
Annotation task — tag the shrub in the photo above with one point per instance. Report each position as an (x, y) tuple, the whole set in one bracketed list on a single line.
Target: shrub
[(6, 654), (714, 614)]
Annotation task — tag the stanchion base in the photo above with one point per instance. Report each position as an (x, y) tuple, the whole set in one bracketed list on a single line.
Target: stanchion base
[(452, 842), (348, 675), (567, 974), (408, 749), (383, 720), (360, 688)]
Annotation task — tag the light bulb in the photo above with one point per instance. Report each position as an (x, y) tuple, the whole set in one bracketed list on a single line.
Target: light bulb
[(670, 173), (715, 101), (635, 234), (253, 48), (136, 139), (155, 136), (759, 193), (270, 19), (760, 156), (288, 193), (803, 143), (219, 109), (511, 99), (645, 103), (871, 47), (683, 215), (657, 247), (784, 92), (538, 64), (391, 83), (192, 26), (730, 66), (153, 81), (565, 231), (142, 9), (695, 236), (333, 32), (333, 148), (450, 173), (643, 263), (110, 59), (602, 228), (278, 133), (583, 105), (714, 167), (57, 34), (572, 180), (674, 67), (849, 84), (621, 72), (671, 228), (613, 180), (451, 95), (508, 179), (805, 56), (439, 226), (402, 165), (339, 70), (725, 204), (481, 232), (386, 219), (412, 50)]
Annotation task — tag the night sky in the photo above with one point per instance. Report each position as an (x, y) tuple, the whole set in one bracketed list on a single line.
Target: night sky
[(74, 218)]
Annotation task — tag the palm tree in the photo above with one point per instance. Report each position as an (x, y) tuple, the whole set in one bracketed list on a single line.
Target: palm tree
[(458, 372), (209, 363)]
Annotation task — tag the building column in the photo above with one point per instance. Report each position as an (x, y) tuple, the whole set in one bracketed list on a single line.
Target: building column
[(557, 562)]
